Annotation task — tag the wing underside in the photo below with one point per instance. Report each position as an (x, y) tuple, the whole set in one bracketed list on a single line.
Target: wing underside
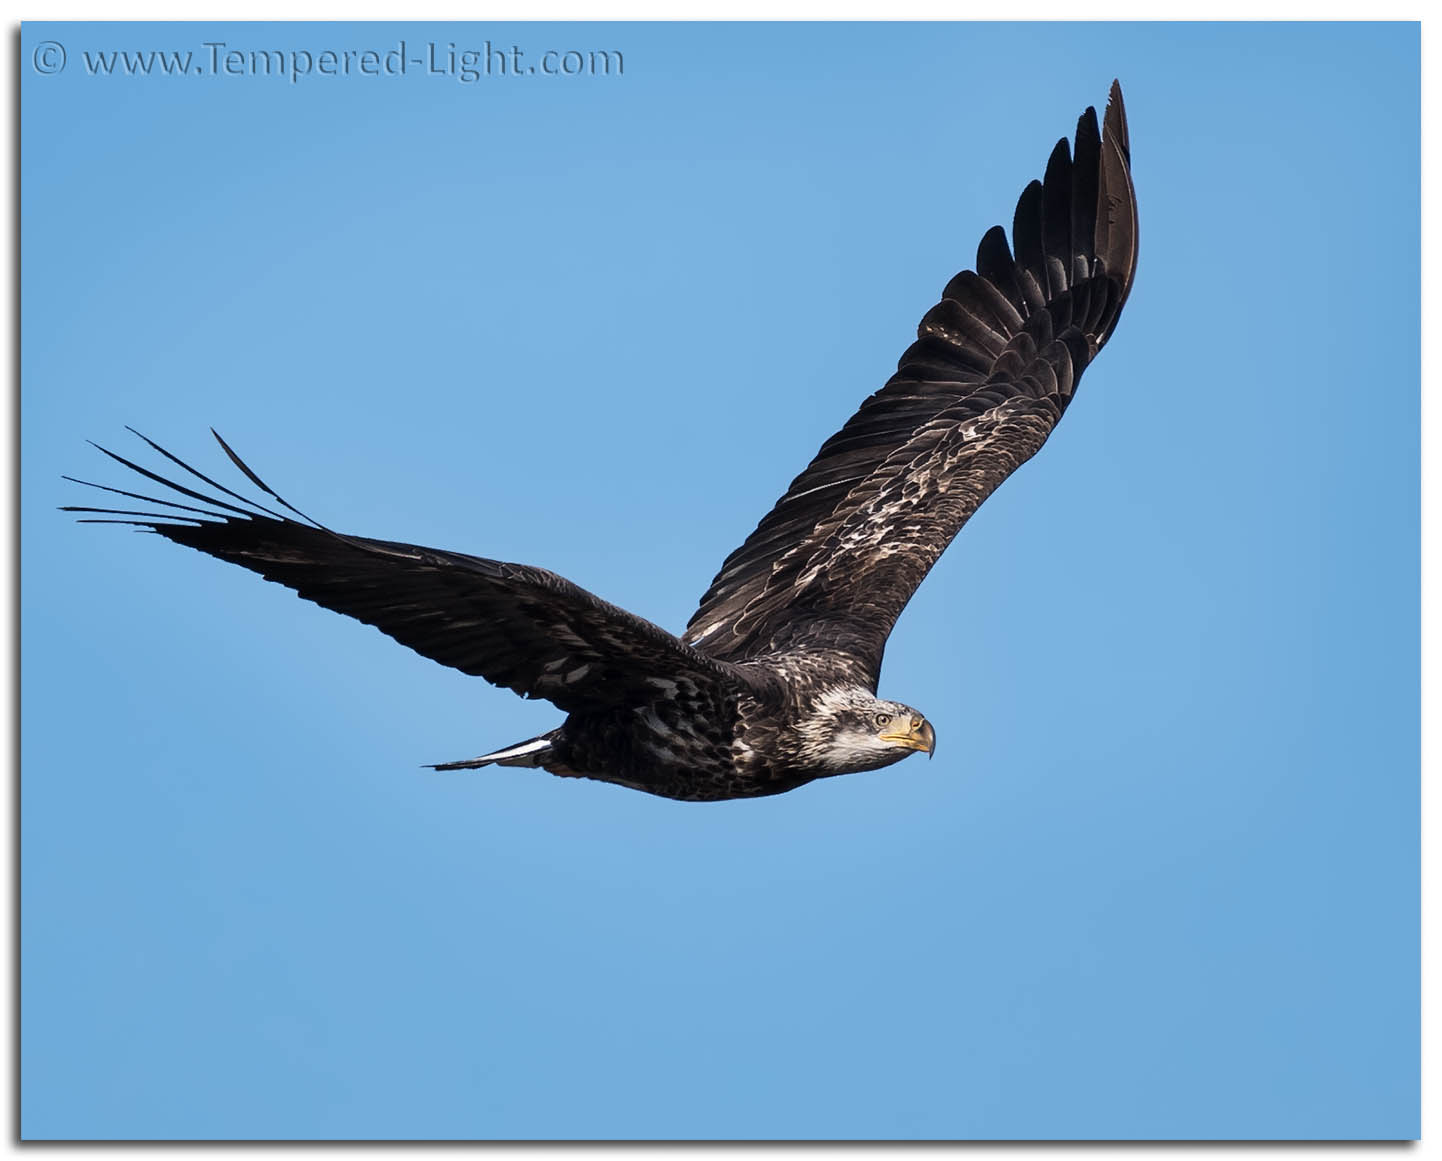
[(993, 369)]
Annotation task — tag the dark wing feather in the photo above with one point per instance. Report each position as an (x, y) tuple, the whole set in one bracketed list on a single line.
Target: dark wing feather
[(993, 369), (517, 626)]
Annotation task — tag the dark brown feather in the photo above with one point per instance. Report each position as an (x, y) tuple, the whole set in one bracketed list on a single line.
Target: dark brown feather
[(994, 367), (515, 625)]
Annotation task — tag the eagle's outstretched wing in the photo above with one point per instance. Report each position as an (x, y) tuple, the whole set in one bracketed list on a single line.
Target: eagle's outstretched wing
[(833, 564), (517, 626)]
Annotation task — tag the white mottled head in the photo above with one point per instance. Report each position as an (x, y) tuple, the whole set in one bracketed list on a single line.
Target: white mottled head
[(849, 729)]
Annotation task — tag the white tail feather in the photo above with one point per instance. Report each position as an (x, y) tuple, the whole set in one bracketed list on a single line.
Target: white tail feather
[(528, 753)]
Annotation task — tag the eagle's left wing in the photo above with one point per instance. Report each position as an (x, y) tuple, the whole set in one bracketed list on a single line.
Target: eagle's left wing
[(997, 360), (521, 627)]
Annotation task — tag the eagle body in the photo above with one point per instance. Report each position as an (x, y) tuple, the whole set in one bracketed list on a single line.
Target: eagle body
[(773, 682), (704, 745)]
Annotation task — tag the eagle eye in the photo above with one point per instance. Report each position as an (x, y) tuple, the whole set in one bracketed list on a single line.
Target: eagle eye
[(883, 719)]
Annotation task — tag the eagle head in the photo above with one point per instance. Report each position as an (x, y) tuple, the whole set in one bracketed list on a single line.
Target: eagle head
[(850, 729)]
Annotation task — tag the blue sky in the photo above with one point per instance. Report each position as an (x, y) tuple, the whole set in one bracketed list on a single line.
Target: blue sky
[(1161, 878)]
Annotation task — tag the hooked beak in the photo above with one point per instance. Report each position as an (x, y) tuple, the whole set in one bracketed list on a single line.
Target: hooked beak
[(918, 735)]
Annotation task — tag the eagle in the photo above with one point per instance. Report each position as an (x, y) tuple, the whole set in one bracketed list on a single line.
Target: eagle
[(773, 684)]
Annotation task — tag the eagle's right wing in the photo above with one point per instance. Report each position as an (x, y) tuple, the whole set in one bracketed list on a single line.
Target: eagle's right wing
[(517, 626), (832, 565)]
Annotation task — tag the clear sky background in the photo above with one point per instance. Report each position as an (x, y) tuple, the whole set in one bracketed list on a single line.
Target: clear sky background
[(1161, 878)]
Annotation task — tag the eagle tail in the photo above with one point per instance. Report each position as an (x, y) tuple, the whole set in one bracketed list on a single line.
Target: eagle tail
[(531, 753)]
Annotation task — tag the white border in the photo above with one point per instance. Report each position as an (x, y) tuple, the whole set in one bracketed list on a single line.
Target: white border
[(747, 10)]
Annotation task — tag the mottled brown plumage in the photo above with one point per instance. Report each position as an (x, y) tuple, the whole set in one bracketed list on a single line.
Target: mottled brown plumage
[(773, 683)]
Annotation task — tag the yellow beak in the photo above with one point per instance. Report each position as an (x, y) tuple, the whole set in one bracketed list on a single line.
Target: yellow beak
[(917, 734)]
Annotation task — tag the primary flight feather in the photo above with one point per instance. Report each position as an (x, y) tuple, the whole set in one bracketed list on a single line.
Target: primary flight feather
[(773, 683)]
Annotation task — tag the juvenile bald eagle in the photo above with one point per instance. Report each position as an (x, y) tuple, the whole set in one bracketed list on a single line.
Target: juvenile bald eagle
[(773, 683)]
